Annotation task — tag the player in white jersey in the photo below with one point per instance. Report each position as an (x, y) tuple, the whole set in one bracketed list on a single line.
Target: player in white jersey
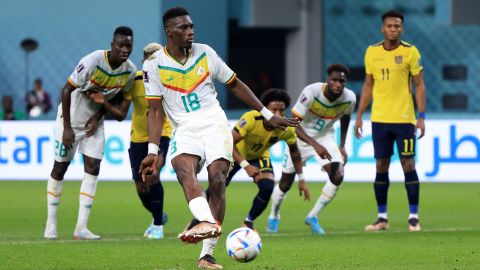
[(98, 77), (319, 106), (179, 79)]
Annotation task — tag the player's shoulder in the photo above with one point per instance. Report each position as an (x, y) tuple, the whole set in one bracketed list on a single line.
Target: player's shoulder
[(349, 95), (138, 75), (406, 44), (131, 66), (252, 115), (375, 46), (202, 47), (95, 56)]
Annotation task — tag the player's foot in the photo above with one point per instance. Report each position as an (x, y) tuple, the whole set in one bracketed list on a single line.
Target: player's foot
[(199, 232), (50, 232), (85, 234), (208, 262), (414, 225), (148, 231), (272, 225), (156, 233), (248, 224), (380, 225), (314, 225)]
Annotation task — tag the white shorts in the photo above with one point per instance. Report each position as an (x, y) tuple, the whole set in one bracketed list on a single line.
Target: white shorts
[(209, 142), (308, 152), (92, 146)]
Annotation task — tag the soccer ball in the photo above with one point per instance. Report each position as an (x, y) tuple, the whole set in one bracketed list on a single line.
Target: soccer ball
[(243, 244)]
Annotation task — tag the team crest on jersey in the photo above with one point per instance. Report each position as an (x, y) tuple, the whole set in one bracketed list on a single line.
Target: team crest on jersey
[(200, 71), (242, 123), (145, 76), (398, 59)]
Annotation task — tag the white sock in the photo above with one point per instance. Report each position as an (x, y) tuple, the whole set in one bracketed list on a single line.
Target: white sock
[(208, 246), (413, 216), (277, 199), (201, 210), (383, 215), (328, 193), (87, 195), (54, 192)]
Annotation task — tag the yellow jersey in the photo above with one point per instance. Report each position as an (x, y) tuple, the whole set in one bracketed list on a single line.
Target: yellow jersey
[(256, 139), (392, 72), (139, 131)]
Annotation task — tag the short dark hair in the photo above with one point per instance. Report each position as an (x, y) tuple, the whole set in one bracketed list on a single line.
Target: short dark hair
[(275, 94), (392, 13), (339, 68), (173, 13), (123, 30)]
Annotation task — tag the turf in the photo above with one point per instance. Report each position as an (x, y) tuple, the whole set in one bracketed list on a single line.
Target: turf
[(450, 216)]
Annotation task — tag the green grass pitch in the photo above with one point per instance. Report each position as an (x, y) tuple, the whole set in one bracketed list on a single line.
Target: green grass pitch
[(449, 215)]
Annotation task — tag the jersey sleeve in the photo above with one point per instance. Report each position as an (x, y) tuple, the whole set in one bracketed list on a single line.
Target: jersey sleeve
[(131, 80), (368, 65), (353, 101), (303, 103), (151, 80), (415, 63), (220, 70), (245, 123), (83, 71), (290, 136)]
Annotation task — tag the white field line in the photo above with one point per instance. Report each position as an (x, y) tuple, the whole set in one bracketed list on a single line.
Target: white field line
[(264, 235)]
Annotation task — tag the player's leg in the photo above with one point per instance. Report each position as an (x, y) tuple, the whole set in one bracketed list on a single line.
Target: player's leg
[(383, 140), (63, 157), (92, 150), (406, 148), (265, 182)]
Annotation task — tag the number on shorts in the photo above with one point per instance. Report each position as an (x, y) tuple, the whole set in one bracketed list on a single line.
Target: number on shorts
[(408, 145), (174, 147), (193, 102), (319, 125), (263, 161), (60, 149)]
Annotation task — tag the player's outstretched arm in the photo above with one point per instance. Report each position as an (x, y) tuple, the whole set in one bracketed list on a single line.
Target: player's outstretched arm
[(365, 98), (344, 123), (68, 137), (321, 151), (420, 96), (251, 170), (150, 163), (297, 163), (242, 92)]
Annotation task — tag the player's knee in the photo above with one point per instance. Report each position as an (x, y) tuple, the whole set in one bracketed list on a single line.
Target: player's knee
[(382, 165), (408, 164), (286, 181), (336, 173), (59, 170), (265, 187), (338, 178)]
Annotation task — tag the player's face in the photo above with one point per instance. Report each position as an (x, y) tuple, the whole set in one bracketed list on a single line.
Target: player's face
[(277, 107), (121, 48), (180, 31), (336, 83), (392, 28)]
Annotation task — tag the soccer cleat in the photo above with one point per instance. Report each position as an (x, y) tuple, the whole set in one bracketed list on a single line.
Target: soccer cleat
[(272, 225), (199, 232), (50, 232), (148, 231), (380, 225), (85, 234), (208, 262), (248, 224), (314, 225), (156, 233), (414, 225)]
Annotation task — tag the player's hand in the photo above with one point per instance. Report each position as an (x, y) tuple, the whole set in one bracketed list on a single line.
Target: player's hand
[(322, 152), (91, 126), (344, 154), (282, 122), (358, 130), (252, 171), (96, 96), (149, 166), (68, 138), (420, 125), (302, 188)]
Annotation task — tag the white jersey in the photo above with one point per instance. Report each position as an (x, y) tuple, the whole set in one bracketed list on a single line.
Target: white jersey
[(318, 113), (93, 70), (188, 92)]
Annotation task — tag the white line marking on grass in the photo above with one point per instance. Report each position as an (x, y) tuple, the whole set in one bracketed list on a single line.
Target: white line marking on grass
[(264, 234)]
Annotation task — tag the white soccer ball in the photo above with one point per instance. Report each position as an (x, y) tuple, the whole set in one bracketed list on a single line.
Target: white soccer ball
[(243, 244)]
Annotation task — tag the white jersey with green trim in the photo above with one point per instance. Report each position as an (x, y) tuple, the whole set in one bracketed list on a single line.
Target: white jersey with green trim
[(187, 90), (94, 70), (318, 113)]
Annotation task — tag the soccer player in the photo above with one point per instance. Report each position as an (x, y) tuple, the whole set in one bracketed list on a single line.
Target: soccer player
[(98, 77), (179, 79), (150, 192), (319, 106), (389, 67), (252, 137)]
